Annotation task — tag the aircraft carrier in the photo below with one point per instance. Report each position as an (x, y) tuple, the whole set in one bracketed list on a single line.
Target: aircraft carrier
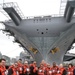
[(44, 37)]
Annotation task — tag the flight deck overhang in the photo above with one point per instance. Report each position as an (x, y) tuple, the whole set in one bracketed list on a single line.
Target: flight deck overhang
[(12, 11), (13, 14), (69, 56), (69, 11), (40, 35)]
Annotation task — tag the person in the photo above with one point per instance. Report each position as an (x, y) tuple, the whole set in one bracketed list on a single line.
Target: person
[(48, 70), (54, 68), (26, 70), (2, 67), (70, 70), (20, 66), (13, 70), (61, 70), (41, 70), (33, 68), (44, 63)]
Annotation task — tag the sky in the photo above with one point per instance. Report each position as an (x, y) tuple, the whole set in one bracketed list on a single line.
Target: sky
[(29, 8), (7, 47), (37, 7)]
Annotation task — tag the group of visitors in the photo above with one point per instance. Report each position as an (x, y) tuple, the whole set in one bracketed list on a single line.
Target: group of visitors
[(19, 68)]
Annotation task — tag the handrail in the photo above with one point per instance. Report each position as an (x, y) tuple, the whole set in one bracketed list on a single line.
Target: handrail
[(62, 6), (16, 7)]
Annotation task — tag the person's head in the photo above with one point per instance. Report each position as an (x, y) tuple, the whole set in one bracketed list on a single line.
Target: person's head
[(2, 62), (41, 65), (61, 65), (54, 64), (19, 61), (15, 64), (48, 65), (70, 65), (26, 63), (34, 62), (43, 61)]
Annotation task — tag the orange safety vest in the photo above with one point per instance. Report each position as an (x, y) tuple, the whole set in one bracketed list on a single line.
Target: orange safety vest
[(41, 71), (15, 71), (48, 71), (26, 69), (35, 68), (2, 70), (70, 71), (54, 70), (11, 66), (60, 71), (20, 68)]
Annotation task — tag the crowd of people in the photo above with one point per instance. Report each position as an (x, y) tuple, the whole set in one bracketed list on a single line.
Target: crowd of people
[(17, 68)]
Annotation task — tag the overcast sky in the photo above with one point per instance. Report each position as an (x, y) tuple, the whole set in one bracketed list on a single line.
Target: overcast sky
[(29, 8), (7, 47)]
